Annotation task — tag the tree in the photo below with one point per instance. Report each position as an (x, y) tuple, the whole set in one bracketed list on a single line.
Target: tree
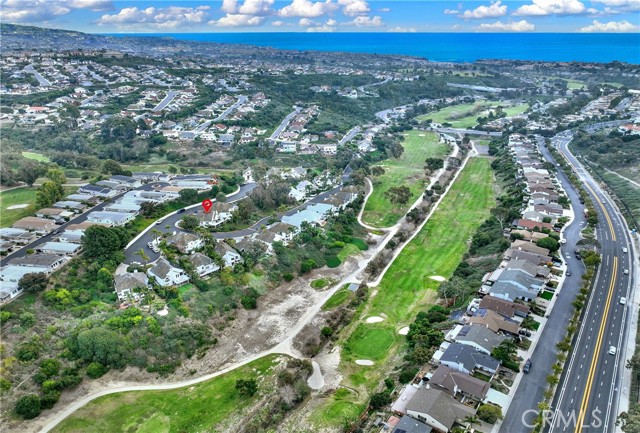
[(112, 167), (48, 193), (489, 413), (143, 256), (56, 175), (221, 197), (96, 370), (101, 345), (398, 194), (27, 319), (189, 222), (102, 243), (246, 388), (379, 400), (629, 421), (28, 173), (34, 283), (433, 164), (28, 406), (50, 367), (188, 195), (377, 170), (548, 243)]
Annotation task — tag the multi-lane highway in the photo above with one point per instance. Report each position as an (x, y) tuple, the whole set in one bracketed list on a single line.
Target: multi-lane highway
[(588, 394)]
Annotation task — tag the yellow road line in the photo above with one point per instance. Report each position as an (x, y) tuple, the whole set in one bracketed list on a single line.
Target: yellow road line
[(594, 359)]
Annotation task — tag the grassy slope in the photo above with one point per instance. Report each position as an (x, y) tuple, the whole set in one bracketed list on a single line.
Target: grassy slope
[(18, 196), (406, 170), (196, 408), (406, 287), (36, 156)]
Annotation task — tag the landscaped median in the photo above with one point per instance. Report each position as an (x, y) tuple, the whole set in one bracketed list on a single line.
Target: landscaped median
[(407, 288)]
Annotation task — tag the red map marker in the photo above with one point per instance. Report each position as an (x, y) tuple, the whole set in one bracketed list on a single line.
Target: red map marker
[(206, 204)]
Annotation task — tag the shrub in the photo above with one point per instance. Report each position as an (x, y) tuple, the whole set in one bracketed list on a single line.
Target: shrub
[(407, 374), (333, 262), (489, 413), (379, 400), (28, 407), (96, 370), (49, 399), (246, 388)]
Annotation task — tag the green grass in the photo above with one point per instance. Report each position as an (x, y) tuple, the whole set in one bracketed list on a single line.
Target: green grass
[(36, 156), (19, 196), (337, 299), (407, 170), (338, 410), (196, 408), (439, 246), (347, 251), (406, 287), (185, 288), (547, 295), (333, 262), (466, 115), (368, 341), (574, 84), (320, 283)]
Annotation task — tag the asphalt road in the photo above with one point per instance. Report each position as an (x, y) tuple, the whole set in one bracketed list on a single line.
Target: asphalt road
[(284, 124), (468, 131), (77, 220), (166, 101), (532, 386), (589, 389)]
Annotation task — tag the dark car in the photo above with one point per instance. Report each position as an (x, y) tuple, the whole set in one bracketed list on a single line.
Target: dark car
[(181, 210), (527, 366), (568, 273)]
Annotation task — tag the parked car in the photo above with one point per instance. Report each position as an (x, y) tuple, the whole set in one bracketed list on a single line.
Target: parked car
[(527, 366), (181, 210), (568, 273)]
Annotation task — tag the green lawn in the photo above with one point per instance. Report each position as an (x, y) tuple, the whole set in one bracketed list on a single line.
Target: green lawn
[(196, 408), (36, 156), (320, 283), (407, 287), (347, 251), (20, 196), (574, 84), (407, 170), (337, 299), (339, 409), (466, 115), (546, 295), (368, 341)]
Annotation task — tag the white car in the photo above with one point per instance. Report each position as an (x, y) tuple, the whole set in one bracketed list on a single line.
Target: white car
[(563, 241), (624, 250), (626, 272), (612, 350), (623, 301)]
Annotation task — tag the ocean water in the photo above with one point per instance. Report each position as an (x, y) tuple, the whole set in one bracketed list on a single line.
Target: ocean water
[(445, 47)]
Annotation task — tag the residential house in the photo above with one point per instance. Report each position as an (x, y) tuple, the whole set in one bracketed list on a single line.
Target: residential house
[(132, 208), (301, 190), (17, 236), (54, 214), (516, 254), (437, 409), (202, 264), (167, 275), (411, 425), (81, 198), (315, 214), (35, 224), (529, 247), (466, 359), (459, 385), (219, 213), (75, 206), (146, 176), (531, 225), (127, 285), (284, 232), (230, 256), (515, 284), (495, 322), (98, 191), (127, 181), (110, 218), (267, 238), (186, 243), (50, 262), (504, 307), (13, 273), (60, 248), (478, 336)]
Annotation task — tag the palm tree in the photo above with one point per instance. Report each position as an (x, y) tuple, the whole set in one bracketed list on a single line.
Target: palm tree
[(471, 420), (143, 256)]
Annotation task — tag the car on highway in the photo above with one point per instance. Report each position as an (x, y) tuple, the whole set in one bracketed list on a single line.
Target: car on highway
[(626, 272), (181, 210), (527, 367), (612, 350), (623, 300), (159, 222), (624, 250), (568, 273)]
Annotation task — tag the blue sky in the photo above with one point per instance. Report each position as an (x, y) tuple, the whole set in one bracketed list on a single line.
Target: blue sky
[(174, 16)]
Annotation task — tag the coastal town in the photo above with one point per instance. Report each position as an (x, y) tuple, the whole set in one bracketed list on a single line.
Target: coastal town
[(394, 244)]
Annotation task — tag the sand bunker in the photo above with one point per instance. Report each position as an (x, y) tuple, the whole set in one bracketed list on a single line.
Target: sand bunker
[(374, 319), (438, 278), (422, 135), (315, 381), (364, 362), (18, 206), (404, 331)]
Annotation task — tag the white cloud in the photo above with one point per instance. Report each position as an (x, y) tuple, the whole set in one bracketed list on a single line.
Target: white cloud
[(305, 22), (307, 9), (451, 11), (38, 11), (456, 27), (619, 3), (331, 22), (355, 7), (384, 10), (238, 20), (367, 21), (499, 26), (229, 6), (553, 7), (492, 11), (277, 23), (256, 7), (610, 27), (169, 17), (399, 29)]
